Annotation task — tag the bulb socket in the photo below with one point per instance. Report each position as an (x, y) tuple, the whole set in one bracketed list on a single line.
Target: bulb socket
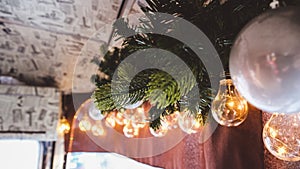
[(225, 75)]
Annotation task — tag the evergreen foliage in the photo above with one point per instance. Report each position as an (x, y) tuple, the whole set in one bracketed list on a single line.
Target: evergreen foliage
[(220, 21)]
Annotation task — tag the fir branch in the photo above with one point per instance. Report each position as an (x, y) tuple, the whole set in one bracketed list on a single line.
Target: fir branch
[(221, 22)]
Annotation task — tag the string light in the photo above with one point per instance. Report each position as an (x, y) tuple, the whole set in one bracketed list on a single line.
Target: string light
[(97, 129), (229, 108), (170, 121), (120, 119), (85, 124), (281, 136), (160, 132), (110, 120), (130, 131), (64, 126), (138, 118), (188, 122)]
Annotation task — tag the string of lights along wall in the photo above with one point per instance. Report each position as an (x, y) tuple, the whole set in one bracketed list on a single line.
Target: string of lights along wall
[(262, 57)]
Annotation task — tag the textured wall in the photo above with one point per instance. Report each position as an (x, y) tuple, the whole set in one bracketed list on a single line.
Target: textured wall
[(64, 16), (41, 40), (29, 112)]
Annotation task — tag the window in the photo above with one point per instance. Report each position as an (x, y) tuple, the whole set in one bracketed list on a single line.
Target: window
[(103, 161), (16, 154)]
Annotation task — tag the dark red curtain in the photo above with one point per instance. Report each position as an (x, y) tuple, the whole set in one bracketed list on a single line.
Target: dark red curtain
[(228, 148)]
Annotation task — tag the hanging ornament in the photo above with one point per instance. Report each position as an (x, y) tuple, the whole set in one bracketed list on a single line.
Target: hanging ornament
[(188, 122), (170, 121), (94, 112), (130, 131), (160, 132), (281, 136), (63, 126), (97, 129), (229, 108), (85, 124), (264, 61)]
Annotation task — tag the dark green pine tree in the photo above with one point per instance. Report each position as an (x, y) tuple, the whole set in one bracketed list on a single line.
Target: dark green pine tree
[(221, 21)]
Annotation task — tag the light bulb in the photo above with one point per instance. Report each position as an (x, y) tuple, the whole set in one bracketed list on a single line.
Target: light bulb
[(135, 113), (281, 136), (229, 108), (98, 130), (120, 119), (188, 122), (110, 120), (139, 118), (64, 126), (130, 131), (170, 121), (94, 112), (85, 124), (160, 132), (134, 105)]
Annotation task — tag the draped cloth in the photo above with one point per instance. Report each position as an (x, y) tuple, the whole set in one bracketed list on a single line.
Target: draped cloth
[(228, 148)]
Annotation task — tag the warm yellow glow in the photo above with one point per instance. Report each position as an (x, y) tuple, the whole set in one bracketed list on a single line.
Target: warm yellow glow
[(281, 136), (230, 104), (126, 121), (281, 150), (85, 125), (240, 107), (197, 125), (97, 130), (64, 126), (273, 132), (170, 121), (139, 124), (119, 118), (110, 120), (140, 110), (130, 131), (229, 108), (160, 132), (136, 132)]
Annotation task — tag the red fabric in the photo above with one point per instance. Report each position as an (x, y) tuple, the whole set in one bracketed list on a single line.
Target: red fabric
[(228, 148)]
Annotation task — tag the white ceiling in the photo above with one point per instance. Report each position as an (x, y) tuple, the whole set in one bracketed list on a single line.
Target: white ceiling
[(51, 42)]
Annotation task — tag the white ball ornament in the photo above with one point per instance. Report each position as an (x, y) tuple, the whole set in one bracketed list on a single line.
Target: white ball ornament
[(265, 61)]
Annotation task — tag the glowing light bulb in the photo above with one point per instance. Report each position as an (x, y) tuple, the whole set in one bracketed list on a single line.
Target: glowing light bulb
[(85, 124), (229, 108), (98, 130), (94, 112), (160, 132), (135, 113), (188, 122), (120, 119), (110, 120), (281, 136), (64, 126), (139, 118), (170, 121), (130, 131)]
